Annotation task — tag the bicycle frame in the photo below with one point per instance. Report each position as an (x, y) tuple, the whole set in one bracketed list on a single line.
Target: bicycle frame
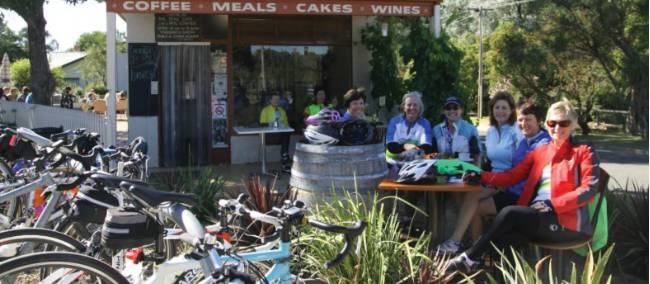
[(23, 189), (168, 271)]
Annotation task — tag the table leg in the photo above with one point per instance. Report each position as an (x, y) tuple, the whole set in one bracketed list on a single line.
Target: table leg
[(432, 208), (263, 138)]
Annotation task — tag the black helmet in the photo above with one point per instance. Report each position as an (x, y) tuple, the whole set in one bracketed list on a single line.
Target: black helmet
[(322, 134), (357, 132)]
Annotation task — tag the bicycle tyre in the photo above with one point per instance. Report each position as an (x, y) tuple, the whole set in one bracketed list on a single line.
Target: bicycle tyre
[(48, 237), (53, 260)]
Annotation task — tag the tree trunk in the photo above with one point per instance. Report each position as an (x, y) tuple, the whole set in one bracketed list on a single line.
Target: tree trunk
[(43, 82), (638, 116)]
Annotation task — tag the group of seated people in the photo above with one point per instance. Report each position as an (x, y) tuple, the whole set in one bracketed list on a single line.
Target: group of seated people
[(537, 182), (274, 115), (12, 94)]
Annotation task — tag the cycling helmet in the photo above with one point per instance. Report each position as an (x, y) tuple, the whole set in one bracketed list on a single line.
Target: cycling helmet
[(416, 170), (325, 115), (322, 134), (357, 132)]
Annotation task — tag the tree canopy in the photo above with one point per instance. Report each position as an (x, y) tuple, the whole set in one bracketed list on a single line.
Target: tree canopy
[(588, 51)]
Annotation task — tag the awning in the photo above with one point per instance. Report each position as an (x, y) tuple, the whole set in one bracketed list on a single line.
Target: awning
[(278, 7)]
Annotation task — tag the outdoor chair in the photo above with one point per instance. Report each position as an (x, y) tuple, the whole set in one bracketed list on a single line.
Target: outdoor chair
[(557, 249), (99, 106), (121, 105)]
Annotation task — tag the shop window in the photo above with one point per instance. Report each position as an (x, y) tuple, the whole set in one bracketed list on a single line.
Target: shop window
[(294, 71), (293, 56)]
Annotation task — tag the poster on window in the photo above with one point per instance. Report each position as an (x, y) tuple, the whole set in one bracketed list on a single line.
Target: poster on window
[(219, 100), (219, 124)]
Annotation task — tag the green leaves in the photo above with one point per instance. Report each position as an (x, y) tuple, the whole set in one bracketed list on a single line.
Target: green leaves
[(410, 58), (383, 256), (516, 269), (21, 76)]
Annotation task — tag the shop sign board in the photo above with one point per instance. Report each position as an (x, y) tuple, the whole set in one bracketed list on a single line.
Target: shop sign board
[(284, 7), (177, 27)]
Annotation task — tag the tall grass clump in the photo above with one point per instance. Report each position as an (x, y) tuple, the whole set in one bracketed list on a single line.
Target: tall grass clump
[(380, 255), (515, 269), (628, 207), (263, 196), (205, 184)]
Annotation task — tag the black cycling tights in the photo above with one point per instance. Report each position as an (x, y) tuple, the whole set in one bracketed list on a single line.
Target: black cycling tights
[(515, 224)]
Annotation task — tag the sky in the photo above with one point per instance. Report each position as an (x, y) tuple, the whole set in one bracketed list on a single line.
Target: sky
[(66, 22)]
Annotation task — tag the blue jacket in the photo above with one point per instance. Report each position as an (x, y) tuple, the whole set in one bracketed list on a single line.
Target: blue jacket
[(523, 147), (500, 145)]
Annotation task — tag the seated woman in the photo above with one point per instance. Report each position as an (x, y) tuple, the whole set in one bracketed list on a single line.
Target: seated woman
[(407, 136), (456, 137), (354, 100), (505, 147), (317, 105), (408, 133), (561, 179)]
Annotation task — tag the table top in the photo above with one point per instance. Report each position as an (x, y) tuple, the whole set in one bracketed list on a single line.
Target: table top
[(388, 184), (257, 130)]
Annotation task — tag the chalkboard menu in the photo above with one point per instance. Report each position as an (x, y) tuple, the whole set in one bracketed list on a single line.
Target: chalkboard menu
[(144, 61), (178, 27)]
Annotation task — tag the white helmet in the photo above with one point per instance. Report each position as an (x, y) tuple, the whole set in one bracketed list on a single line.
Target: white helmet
[(415, 170), (322, 134)]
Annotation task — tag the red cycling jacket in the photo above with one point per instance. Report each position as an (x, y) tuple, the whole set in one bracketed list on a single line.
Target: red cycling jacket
[(574, 178)]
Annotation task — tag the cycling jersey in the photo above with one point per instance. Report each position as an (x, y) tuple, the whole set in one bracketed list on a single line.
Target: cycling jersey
[(500, 144), (464, 140), (403, 132)]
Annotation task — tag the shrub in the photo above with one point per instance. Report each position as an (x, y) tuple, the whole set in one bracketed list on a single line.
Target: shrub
[(263, 197), (204, 184), (628, 207), (515, 269), (381, 254), (20, 74)]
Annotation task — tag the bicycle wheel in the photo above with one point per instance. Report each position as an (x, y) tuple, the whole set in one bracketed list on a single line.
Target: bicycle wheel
[(13, 241), (66, 267)]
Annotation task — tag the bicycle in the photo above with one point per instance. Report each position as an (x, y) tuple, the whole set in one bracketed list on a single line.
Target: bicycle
[(212, 255)]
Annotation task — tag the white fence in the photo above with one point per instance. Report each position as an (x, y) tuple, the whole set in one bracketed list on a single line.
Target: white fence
[(32, 116)]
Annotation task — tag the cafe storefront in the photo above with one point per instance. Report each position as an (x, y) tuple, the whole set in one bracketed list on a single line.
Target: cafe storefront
[(199, 68)]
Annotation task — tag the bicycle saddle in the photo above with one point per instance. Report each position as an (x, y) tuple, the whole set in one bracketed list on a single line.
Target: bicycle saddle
[(111, 181), (152, 197)]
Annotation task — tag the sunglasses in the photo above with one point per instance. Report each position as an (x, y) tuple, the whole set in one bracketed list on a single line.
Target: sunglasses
[(561, 123), (451, 107)]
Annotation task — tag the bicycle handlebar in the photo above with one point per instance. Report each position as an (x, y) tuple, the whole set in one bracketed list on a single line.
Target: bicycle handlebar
[(350, 234)]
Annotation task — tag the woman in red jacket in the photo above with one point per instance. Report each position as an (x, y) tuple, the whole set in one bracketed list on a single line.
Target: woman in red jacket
[(561, 179)]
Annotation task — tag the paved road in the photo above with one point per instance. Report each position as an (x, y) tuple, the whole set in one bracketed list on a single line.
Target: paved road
[(624, 164)]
